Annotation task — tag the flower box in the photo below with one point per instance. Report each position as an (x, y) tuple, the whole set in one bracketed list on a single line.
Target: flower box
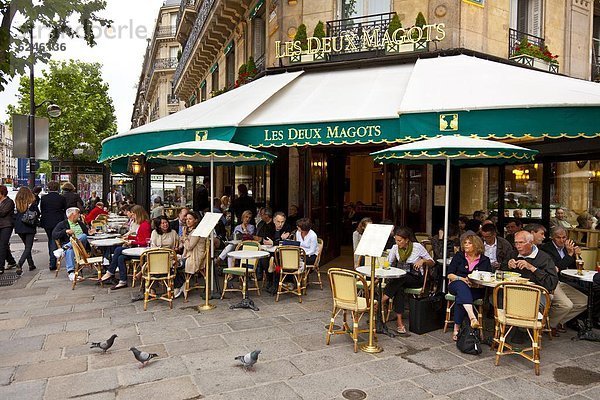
[(395, 48), (536, 63), (307, 58)]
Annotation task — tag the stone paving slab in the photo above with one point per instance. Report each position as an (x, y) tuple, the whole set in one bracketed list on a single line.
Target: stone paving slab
[(45, 352)]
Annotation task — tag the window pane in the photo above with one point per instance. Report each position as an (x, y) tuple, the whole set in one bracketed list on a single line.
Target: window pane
[(523, 191), (575, 187)]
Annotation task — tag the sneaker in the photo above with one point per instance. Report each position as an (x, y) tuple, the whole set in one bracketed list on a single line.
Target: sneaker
[(71, 276), (177, 292), (58, 253)]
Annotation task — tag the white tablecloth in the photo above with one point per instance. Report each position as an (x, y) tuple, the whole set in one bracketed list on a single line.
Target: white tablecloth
[(382, 273), (588, 276)]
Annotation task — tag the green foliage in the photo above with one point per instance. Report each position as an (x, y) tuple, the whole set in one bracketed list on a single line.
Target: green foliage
[(72, 18), (218, 92), (530, 49), (251, 67), (302, 37), (88, 114), (45, 168), (420, 21), (394, 25), (242, 69), (319, 31)]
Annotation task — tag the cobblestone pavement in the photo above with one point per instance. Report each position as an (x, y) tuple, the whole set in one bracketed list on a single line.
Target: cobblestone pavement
[(45, 328)]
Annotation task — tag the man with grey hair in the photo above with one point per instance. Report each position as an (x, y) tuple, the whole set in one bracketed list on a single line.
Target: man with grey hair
[(567, 302), (560, 219), (532, 263), (72, 226)]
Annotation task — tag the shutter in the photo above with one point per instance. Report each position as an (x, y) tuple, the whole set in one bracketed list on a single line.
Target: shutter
[(258, 37), (536, 18)]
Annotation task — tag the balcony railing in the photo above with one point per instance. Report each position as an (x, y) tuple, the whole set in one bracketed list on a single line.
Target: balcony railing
[(172, 99), (515, 37), (165, 31), (165, 63), (185, 4), (596, 60), (355, 27), (201, 20)]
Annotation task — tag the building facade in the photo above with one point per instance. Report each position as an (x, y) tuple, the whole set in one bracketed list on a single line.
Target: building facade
[(220, 38), (8, 164)]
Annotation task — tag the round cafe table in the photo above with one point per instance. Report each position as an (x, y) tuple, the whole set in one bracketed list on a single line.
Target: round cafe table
[(99, 236), (107, 242), (247, 255), (588, 279), (134, 251), (382, 274)]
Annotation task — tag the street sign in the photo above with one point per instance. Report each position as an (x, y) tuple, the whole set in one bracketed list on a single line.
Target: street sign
[(21, 131)]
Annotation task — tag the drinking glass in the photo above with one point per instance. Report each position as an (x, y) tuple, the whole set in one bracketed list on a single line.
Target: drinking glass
[(579, 263)]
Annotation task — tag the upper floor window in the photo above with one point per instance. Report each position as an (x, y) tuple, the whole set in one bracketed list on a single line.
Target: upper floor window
[(214, 78), (527, 16), (359, 8), (259, 37), (230, 68)]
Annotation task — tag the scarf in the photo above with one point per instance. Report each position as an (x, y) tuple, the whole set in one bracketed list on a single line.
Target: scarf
[(403, 254)]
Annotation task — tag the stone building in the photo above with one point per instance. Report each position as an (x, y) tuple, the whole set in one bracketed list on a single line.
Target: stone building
[(8, 164)]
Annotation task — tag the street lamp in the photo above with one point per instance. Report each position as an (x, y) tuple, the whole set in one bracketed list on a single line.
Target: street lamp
[(53, 111)]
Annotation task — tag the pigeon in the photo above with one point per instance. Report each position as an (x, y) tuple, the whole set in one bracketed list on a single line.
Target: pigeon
[(104, 345), (142, 356), (249, 359)]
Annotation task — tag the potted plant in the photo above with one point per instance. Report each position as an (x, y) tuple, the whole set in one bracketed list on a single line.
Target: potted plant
[(535, 56), (319, 33), (394, 47), (301, 36), (218, 92), (421, 45)]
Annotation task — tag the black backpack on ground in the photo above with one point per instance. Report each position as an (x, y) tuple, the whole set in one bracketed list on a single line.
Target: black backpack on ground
[(468, 340)]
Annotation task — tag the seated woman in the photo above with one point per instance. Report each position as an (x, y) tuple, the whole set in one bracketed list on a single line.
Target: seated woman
[(163, 236), (141, 239), (413, 258), (194, 252), (245, 229), (308, 240), (356, 235), (464, 262)]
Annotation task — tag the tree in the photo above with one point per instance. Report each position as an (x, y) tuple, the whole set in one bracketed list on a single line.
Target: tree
[(73, 18), (45, 168), (88, 114), (394, 25), (302, 37), (319, 31)]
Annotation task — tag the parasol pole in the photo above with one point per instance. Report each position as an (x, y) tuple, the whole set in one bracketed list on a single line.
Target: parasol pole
[(446, 212)]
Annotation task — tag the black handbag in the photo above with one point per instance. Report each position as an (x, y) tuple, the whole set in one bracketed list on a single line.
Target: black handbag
[(468, 341), (30, 218)]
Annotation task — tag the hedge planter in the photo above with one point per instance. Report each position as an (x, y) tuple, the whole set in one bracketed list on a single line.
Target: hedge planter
[(536, 63)]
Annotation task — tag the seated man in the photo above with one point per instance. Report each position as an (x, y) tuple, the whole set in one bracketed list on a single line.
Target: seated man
[(94, 212), (497, 249), (560, 219), (512, 227), (72, 226), (178, 225), (282, 232), (538, 231), (265, 231), (567, 302)]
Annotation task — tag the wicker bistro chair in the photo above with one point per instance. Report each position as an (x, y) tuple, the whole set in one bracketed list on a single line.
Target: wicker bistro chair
[(314, 268), (521, 308), (59, 259), (157, 265), (291, 259), (188, 287), (240, 271), (83, 260), (450, 301), (346, 299), (99, 224)]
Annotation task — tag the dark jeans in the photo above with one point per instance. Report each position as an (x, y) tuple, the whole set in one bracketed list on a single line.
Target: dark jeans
[(395, 289), (5, 254), (51, 247), (118, 260), (464, 295), (27, 239)]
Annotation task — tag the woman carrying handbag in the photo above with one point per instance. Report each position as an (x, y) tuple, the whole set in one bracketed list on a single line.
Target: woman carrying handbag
[(26, 222)]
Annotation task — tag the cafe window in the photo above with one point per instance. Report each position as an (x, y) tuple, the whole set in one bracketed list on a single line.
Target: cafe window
[(478, 190), (175, 191), (523, 191), (526, 16), (575, 187), (258, 181)]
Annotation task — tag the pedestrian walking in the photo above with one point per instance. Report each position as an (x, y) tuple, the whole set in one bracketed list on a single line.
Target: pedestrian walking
[(53, 207), (26, 222), (7, 211), (72, 197)]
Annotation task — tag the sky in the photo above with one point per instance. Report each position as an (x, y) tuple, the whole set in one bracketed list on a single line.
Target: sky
[(120, 50)]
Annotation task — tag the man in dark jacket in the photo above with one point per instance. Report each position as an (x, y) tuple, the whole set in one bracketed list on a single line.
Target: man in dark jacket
[(201, 202), (242, 203), (178, 224), (52, 207), (72, 226), (7, 211)]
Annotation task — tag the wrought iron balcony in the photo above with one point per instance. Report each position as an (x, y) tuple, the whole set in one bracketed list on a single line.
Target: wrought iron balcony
[(516, 37), (260, 64), (356, 27), (185, 4), (165, 63), (199, 24), (165, 31)]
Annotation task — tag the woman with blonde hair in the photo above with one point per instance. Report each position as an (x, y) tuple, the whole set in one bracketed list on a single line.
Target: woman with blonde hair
[(470, 258), (26, 201), (356, 235)]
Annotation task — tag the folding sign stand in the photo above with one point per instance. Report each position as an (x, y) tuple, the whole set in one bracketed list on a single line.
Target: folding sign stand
[(206, 229)]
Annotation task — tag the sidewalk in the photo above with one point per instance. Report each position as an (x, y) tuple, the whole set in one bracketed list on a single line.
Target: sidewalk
[(45, 327)]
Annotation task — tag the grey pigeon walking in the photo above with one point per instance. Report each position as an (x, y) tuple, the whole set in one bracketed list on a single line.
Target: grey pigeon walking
[(104, 345), (249, 359), (142, 356)]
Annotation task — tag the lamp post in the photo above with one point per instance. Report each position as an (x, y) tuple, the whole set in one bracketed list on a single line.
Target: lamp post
[(53, 111)]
